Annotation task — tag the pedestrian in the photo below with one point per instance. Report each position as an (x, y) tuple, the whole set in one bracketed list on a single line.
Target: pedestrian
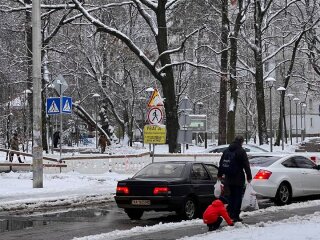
[(102, 142), (232, 163), (56, 137), (214, 213), (14, 145)]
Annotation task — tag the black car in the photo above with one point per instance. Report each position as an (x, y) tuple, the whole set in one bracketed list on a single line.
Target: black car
[(181, 186)]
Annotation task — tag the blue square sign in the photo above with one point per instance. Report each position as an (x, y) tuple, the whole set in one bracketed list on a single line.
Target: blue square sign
[(67, 105), (53, 106)]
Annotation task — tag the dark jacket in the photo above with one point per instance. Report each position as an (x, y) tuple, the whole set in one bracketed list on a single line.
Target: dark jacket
[(215, 210), (243, 164)]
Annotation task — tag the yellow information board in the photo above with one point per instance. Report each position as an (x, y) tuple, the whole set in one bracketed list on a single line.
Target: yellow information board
[(155, 134)]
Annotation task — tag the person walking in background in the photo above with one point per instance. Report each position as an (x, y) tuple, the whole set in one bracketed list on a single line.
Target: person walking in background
[(14, 145), (56, 137), (102, 142), (213, 215), (232, 163)]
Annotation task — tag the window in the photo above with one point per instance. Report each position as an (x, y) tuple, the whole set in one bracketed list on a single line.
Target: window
[(290, 163), (213, 171), (198, 172), (303, 162), (161, 170), (310, 104)]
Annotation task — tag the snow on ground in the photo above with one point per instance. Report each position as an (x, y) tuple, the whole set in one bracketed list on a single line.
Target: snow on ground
[(295, 228), (65, 188)]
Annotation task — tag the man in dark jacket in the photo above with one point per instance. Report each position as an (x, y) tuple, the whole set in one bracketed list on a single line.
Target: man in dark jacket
[(235, 183)]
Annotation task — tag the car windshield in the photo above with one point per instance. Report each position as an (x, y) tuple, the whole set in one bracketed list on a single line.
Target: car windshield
[(263, 161), (161, 170)]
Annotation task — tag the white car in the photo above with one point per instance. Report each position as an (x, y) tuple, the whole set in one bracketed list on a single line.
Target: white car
[(246, 147), (283, 177)]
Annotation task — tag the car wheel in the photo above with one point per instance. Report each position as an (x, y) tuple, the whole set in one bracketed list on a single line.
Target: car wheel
[(134, 214), (283, 195), (189, 209)]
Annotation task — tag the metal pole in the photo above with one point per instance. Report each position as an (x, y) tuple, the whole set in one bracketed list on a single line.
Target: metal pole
[(301, 135), (61, 134), (304, 116), (37, 149), (281, 120), (290, 123), (271, 133), (153, 147), (96, 125), (296, 122), (246, 115)]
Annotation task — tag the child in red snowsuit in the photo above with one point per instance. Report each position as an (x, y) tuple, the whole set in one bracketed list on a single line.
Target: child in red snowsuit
[(214, 213)]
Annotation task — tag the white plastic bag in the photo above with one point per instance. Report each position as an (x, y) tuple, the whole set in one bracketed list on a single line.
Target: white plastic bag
[(218, 189), (249, 201)]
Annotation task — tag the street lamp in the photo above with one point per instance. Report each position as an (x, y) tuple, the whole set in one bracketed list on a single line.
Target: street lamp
[(96, 96), (270, 81), (281, 90), (296, 100), (290, 96)]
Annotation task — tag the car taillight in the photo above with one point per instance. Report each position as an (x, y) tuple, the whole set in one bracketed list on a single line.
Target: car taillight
[(263, 174), (123, 190), (160, 190), (313, 158)]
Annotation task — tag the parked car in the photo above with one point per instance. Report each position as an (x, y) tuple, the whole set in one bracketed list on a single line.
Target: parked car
[(181, 186), (283, 177), (246, 147)]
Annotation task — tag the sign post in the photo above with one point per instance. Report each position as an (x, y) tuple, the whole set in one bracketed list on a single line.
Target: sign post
[(155, 132), (65, 106)]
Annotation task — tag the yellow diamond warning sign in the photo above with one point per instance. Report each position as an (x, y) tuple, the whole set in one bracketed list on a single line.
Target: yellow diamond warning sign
[(155, 99), (155, 134)]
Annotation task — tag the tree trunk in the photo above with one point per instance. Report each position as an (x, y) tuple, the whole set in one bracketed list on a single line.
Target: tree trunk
[(28, 37), (167, 81), (262, 129), (233, 73), (224, 75)]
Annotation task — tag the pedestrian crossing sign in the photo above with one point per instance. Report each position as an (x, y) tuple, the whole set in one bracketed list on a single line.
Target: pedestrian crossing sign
[(53, 106), (67, 105)]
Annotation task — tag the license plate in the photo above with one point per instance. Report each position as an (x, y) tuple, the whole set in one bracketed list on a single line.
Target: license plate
[(141, 202)]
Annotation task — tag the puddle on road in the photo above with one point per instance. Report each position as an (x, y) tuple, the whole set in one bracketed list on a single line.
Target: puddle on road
[(17, 222)]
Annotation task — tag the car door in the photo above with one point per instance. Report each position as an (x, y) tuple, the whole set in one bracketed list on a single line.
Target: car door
[(202, 183), (293, 174), (311, 177)]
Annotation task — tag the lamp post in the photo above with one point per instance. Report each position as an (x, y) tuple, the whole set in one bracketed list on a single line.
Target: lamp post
[(290, 96), (270, 81), (296, 100), (96, 96), (304, 117), (281, 89), (302, 106)]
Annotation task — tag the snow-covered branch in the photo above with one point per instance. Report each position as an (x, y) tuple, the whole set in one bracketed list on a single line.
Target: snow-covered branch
[(114, 32), (153, 5), (179, 48), (147, 17), (189, 63)]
